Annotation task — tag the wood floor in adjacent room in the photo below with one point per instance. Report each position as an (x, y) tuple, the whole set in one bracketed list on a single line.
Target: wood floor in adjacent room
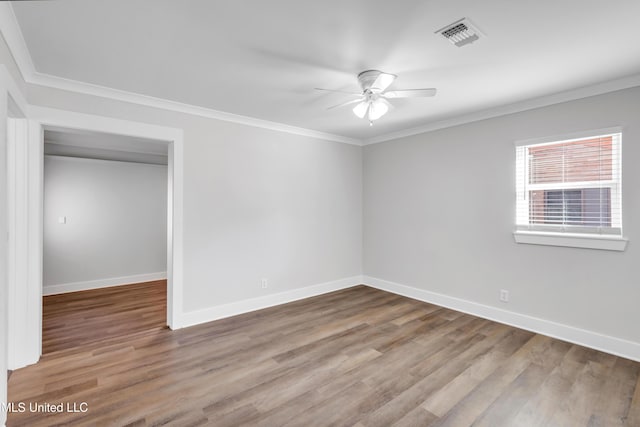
[(77, 318), (357, 357)]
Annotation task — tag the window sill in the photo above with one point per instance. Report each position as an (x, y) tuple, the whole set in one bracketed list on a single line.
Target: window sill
[(609, 243)]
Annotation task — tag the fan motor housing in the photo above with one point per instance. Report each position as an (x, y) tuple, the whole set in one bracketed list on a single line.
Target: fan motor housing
[(367, 78)]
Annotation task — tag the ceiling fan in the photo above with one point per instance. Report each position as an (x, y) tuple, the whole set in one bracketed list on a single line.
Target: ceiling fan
[(373, 102)]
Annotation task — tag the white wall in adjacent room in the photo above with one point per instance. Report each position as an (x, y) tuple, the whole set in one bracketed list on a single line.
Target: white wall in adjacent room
[(102, 220), (439, 212)]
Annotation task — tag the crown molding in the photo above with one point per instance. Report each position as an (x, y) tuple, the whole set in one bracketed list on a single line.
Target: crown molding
[(165, 104), (530, 104), (15, 41)]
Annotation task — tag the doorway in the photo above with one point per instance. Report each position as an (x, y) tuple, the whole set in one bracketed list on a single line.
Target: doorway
[(41, 119), (105, 237)]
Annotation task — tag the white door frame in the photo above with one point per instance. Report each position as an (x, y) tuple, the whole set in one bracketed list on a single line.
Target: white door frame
[(12, 103), (41, 117), (18, 293), (21, 302)]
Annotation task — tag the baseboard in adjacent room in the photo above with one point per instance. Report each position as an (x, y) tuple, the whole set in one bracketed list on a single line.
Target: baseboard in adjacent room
[(597, 341), (102, 283), (232, 309)]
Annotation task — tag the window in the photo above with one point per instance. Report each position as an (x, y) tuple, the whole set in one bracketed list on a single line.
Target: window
[(570, 189)]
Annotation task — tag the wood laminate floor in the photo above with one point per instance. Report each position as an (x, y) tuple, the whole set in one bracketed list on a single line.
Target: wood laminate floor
[(357, 357), (74, 319)]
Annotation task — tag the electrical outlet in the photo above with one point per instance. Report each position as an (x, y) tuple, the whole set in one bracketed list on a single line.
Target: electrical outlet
[(265, 283), (504, 295)]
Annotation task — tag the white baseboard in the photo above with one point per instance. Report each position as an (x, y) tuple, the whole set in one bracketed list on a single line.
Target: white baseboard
[(597, 341), (102, 283), (232, 309)]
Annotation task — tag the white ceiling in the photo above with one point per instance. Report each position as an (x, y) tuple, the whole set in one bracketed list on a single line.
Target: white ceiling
[(262, 59)]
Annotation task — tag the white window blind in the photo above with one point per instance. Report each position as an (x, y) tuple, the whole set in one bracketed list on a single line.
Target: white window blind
[(570, 186)]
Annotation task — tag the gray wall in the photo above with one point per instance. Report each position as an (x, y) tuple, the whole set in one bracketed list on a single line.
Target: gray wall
[(116, 215), (439, 211)]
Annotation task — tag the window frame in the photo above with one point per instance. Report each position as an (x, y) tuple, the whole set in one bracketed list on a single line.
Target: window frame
[(607, 238)]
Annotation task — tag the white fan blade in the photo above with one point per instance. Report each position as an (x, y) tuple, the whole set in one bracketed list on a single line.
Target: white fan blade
[(383, 81), (360, 110), (353, 101), (338, 91), (410, 93)]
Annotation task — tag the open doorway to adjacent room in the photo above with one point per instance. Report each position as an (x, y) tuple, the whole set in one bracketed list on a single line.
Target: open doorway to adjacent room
[(105, 226)]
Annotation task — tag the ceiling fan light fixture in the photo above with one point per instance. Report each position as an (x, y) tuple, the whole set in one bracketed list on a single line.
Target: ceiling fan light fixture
[(360, 110), (377, 109), (373, 103)]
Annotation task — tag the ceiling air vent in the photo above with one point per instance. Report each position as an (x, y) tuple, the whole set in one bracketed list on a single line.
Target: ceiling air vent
[(461, 32)]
